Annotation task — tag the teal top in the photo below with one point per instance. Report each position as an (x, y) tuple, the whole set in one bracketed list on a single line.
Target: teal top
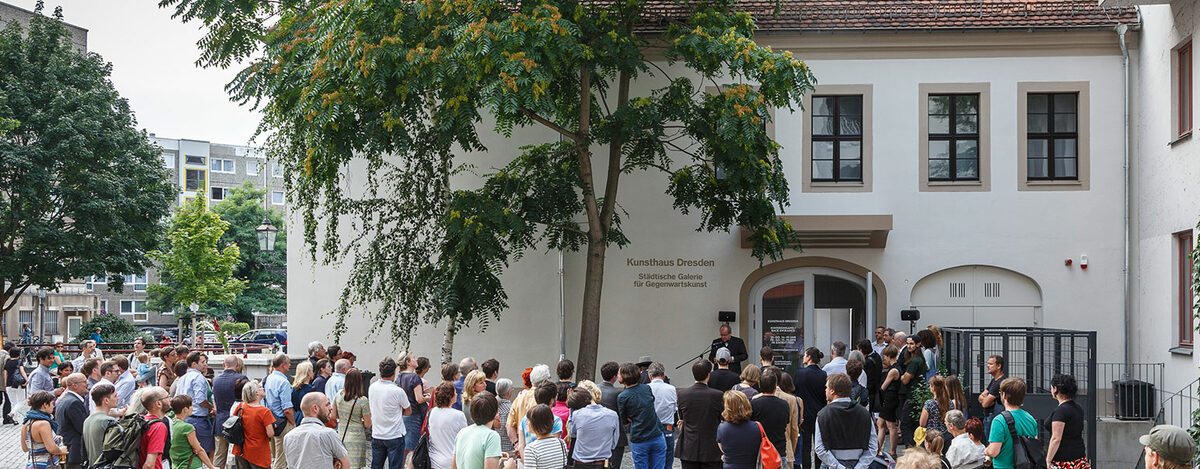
[(1025, 424)]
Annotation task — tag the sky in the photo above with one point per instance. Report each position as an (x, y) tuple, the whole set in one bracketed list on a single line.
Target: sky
[(153, 66)]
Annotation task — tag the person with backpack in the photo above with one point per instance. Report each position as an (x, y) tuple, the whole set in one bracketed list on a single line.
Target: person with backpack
[(155, 441), (257, 424), (94, 427), (1008, 428)]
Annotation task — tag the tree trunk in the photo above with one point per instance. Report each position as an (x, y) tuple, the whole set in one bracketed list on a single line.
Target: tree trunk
[(589, 330), (448, 343)]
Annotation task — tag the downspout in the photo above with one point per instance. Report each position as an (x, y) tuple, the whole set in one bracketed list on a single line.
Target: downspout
[(562, 311), (1121, 30), (869, 315)]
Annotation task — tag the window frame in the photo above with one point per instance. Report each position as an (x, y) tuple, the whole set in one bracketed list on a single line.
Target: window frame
[(253, 165), (187, 160), (169, 160), (1183, 91), (104, 306), (282, 197), (211, 195), (1082, 182), (1184, 325), (131, 280), (203, 183), (49, 326), (836, 139), (222, 162), (867, 146), (1051, 135), (984, 150)]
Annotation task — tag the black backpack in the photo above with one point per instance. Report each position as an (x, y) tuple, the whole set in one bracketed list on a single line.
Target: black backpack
[(234, 429), (1027, 450), (123, 438)]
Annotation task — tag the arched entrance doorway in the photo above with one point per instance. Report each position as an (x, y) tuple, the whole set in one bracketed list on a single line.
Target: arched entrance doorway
[(805, 302), (977, 295)]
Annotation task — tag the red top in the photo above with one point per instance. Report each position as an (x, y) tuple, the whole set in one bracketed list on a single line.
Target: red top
[(153, 441), (257, 449)]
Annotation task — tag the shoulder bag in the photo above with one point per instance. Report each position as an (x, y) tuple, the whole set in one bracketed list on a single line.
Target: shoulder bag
[(349, 420), (1027, 450), (767, 452), (234, 429), (420, 454)]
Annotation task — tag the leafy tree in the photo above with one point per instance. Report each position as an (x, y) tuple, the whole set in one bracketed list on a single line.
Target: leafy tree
[(81, 190), (403, 87), (199, 271), (264, 272), (114, 328)]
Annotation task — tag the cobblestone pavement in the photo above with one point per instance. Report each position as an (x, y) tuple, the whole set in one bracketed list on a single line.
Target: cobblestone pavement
[(11, 456)]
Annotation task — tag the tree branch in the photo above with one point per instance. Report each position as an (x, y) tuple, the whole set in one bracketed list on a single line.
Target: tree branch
[(614, 160), (12, 297), (557, 128)]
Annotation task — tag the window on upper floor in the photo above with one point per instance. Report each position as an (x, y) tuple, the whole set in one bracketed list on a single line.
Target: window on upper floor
[(953, 137), (135, 308), (91, 282), (276, 169), (168, 160), (277, 197), (136, 282), (837, 133), (1183, 288), (194, 180), (218, 193), (221, 165), (253, 166), (1053, 136), (1183, 89), (194, 159)]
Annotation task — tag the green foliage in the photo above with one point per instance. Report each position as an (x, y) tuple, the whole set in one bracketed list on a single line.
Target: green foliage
[(265, 273), (82, 191), (402, 88), (234, 329), (113, 328), (199, 271)]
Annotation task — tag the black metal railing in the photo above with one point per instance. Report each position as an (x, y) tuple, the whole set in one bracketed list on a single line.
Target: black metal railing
[(1179, 408), (1129, 391), (1033, 354)]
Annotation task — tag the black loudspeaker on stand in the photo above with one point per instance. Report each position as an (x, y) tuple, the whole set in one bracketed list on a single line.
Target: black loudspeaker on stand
[(912, 316)]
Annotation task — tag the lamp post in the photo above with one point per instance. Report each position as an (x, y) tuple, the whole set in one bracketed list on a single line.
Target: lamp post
[(195, 333), (42, 318), (266, 235)]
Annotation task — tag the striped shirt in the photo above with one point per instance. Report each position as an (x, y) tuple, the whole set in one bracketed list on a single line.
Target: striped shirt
[(546, 453)]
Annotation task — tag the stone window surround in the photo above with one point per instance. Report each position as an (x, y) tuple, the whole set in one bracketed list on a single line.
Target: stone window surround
[(1083, 126), (984, 184), (807, 184)]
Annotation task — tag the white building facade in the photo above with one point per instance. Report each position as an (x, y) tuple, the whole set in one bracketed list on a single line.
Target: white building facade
[(979, 178)]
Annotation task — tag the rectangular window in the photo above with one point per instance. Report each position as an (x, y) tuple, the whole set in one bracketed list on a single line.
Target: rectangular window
[(219, 165), (104, 306), (1183, 267), (954, 137), (1183, 80), (93, 281), (25, 317), (168, 160), (50, 322), (277, 197), (194, 159), (837, 138), (252, 166), (219, 193), (137, 282), (194, 180), (276, 170), (1052, 136), (135, 308)]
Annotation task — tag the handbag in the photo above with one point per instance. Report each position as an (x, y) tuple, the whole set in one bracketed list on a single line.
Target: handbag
[(420, 454), (767, 452), (234, 429), (1027, 450), (919, 436)]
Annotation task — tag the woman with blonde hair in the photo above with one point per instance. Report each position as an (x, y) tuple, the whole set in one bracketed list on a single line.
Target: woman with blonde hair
[(591, 388), (302, 383), (936, 445), (473, 384), (934, 409), (918, 458), (738, 437), (748, 386)]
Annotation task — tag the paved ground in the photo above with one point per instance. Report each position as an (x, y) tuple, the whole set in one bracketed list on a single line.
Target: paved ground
[(11, 456)]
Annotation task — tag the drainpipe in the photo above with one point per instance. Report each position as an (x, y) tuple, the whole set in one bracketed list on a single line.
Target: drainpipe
[(1121, 30), (870, 309), (562, 312)]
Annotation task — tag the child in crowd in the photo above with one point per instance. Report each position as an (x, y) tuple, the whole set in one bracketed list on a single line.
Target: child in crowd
[(145, 372)]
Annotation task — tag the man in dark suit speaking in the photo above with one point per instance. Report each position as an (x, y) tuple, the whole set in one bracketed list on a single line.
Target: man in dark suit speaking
[(735, 345)]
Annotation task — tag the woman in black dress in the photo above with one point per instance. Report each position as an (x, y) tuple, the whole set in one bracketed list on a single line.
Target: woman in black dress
[(1066, 449), (889, 398)]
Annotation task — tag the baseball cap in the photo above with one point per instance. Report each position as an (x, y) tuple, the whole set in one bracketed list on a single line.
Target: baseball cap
[(1171, 442), (723, 355), (644, 360)]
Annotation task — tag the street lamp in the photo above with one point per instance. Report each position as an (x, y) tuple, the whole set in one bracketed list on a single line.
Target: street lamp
[(266, 235), (195, 334)]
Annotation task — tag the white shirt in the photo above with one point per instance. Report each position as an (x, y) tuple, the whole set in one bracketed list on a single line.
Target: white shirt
[(334, 384), (444, 425), (878, 347), (837, 365), (964, 453), (387, 404), (665, 401)]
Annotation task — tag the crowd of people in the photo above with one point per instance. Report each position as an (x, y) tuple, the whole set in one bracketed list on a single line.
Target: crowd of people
[(855, 411)]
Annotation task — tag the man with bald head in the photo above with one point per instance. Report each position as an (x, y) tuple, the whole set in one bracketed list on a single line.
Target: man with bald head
[(223, 397), (150, 451), (337, 381), (70, 412), (312, 444)]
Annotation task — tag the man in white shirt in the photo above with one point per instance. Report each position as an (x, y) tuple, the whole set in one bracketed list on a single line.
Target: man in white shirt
[(337, 381), (962, 452), (389, 404), (883, 337), (665, 405), (312, 444), (126, 383), (838, 363), (87, 349)]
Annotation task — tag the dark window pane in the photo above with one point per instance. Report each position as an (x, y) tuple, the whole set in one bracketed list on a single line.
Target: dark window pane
[(967, 169), (939, 149), (939, 169), (939, 124), (967, 149), (851, 170), (1036, 168), (1064, 102), (1064, 122), (822, 105), (850, 125), (1038, 148), (1064, 168), (968, 124), (850, 150), (968, 104), (1037, 103), (822, 151), (850, 105), (822, 126), (823, 169), (1064, 148), (939, 104), (1038, 123)]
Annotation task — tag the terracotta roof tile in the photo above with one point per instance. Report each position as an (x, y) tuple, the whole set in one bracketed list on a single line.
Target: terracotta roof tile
[(831, 15)]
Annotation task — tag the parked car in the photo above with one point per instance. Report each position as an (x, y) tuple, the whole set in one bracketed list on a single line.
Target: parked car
[(157, 333), (266, 337)]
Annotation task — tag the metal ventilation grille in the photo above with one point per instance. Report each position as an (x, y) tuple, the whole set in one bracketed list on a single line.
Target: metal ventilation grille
[(991, 290), (958, 290)]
